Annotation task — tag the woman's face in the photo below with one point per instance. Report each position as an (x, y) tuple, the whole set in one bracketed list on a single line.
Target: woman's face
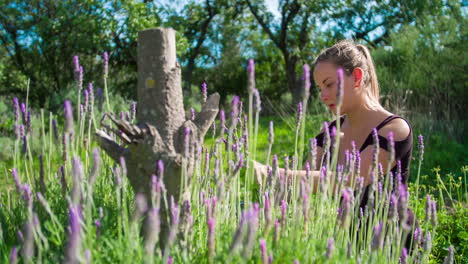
[(326, 78)]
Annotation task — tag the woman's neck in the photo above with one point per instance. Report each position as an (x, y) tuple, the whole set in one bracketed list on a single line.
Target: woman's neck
[(364, 111)]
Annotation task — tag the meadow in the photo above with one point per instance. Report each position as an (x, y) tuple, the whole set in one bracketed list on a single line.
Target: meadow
[(64, 200)]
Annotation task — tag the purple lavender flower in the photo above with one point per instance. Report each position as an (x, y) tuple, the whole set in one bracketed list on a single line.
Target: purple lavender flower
[(330, 248), (76, 63), (91, 97), (251, 76), (306, 79), (257, 101), (204, 90), (192, 114), (72, 254), (97, 223), (80, 78), (235, 109), (27, 194), (271, 133), (63, 181), (134, 109), (263, 251), (27, 250), (340, 85), (152, 229), (346, 205), (393, 208), (450, 257), (16, 109), (96, 166), (421, 147), (391, 145), (211, 237), (16, 178), (404, 256), (14, 256), (427, 243), (105, 58), (377, 239), (267, 211), (283, 213), (78, 176), (68, 116), (170, 260), (222, 120), (299, 112), (55, 129), (277, 230)]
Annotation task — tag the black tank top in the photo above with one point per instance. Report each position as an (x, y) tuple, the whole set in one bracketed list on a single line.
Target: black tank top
[(403, 148)]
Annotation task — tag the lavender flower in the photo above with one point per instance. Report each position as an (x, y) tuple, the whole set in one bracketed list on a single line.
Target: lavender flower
[(271, 133), (404, 256), (346, 205), (251, 76), (393, 208), (27, 250), (41, 174), (55, 129), (263, 251), (16, 178), (421, 147), (80, 78), (299, 112), (134, 109), (16, 109), (449, 259), (340, 85), (91, 97), (283, 213), (152, 229), (391, 145), (68, 116), (211, 237), (267, 211), (192, 114), (63, 181), (222, 120), (427, 243), (76, 63), (78, 176), (330, 248), (377, 239), (105, 58), (235, 109), (14, 256), (277, 231), (306, 79), (97, 223), (257, 101), (204, 90), (72, 254), (170, 260)]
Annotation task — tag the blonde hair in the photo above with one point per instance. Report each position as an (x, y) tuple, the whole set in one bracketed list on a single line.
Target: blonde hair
[(348, 55)]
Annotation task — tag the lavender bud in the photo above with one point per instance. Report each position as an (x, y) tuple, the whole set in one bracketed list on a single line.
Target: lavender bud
[(55, 129), (152, 229), (204, 90), (271, 133), (257, 101), (449, 259), (235, 109), (251, 76), (263, 251), (211, 237), (330, 248), (283, 213), (404, 256), (427, 245), (299, 112), (421, 147), (76, 63), (78, 176), (105, 58), (306, 79), (80, 78), (133, 107), (170, 260), (91, 97), (68, 116), (72, 254), (14, 256), (16, 178), (391, 145), (16, 109), (377, 237), (63, 181), (222, 120), (192, 114)]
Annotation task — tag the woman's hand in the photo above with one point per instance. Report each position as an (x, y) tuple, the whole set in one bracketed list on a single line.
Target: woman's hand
[(260, 171)]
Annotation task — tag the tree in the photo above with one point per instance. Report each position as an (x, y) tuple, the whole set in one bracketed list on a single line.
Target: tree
[(40, 38), (291, 35)]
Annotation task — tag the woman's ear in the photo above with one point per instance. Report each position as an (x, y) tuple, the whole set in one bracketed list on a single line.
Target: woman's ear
[(357, 74)]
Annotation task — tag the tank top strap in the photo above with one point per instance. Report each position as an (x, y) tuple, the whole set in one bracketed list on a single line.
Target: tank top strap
[(369, 140)]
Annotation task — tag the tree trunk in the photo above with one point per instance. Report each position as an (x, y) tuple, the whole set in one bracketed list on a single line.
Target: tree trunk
[(162, 127), (294, 84)]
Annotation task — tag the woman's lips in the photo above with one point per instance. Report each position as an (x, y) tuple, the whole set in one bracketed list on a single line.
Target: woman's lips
[(331, 105)]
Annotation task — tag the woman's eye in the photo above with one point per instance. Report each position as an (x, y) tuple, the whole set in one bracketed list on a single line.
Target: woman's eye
[(330, 85)]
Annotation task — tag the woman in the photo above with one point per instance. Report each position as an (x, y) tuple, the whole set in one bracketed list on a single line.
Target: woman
[(361, 114)]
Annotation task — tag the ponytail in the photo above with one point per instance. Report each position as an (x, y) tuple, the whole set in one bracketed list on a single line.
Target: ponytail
[(373, 81)]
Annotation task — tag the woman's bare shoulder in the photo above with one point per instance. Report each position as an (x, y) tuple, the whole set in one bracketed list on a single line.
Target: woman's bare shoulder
[(399, 127)]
